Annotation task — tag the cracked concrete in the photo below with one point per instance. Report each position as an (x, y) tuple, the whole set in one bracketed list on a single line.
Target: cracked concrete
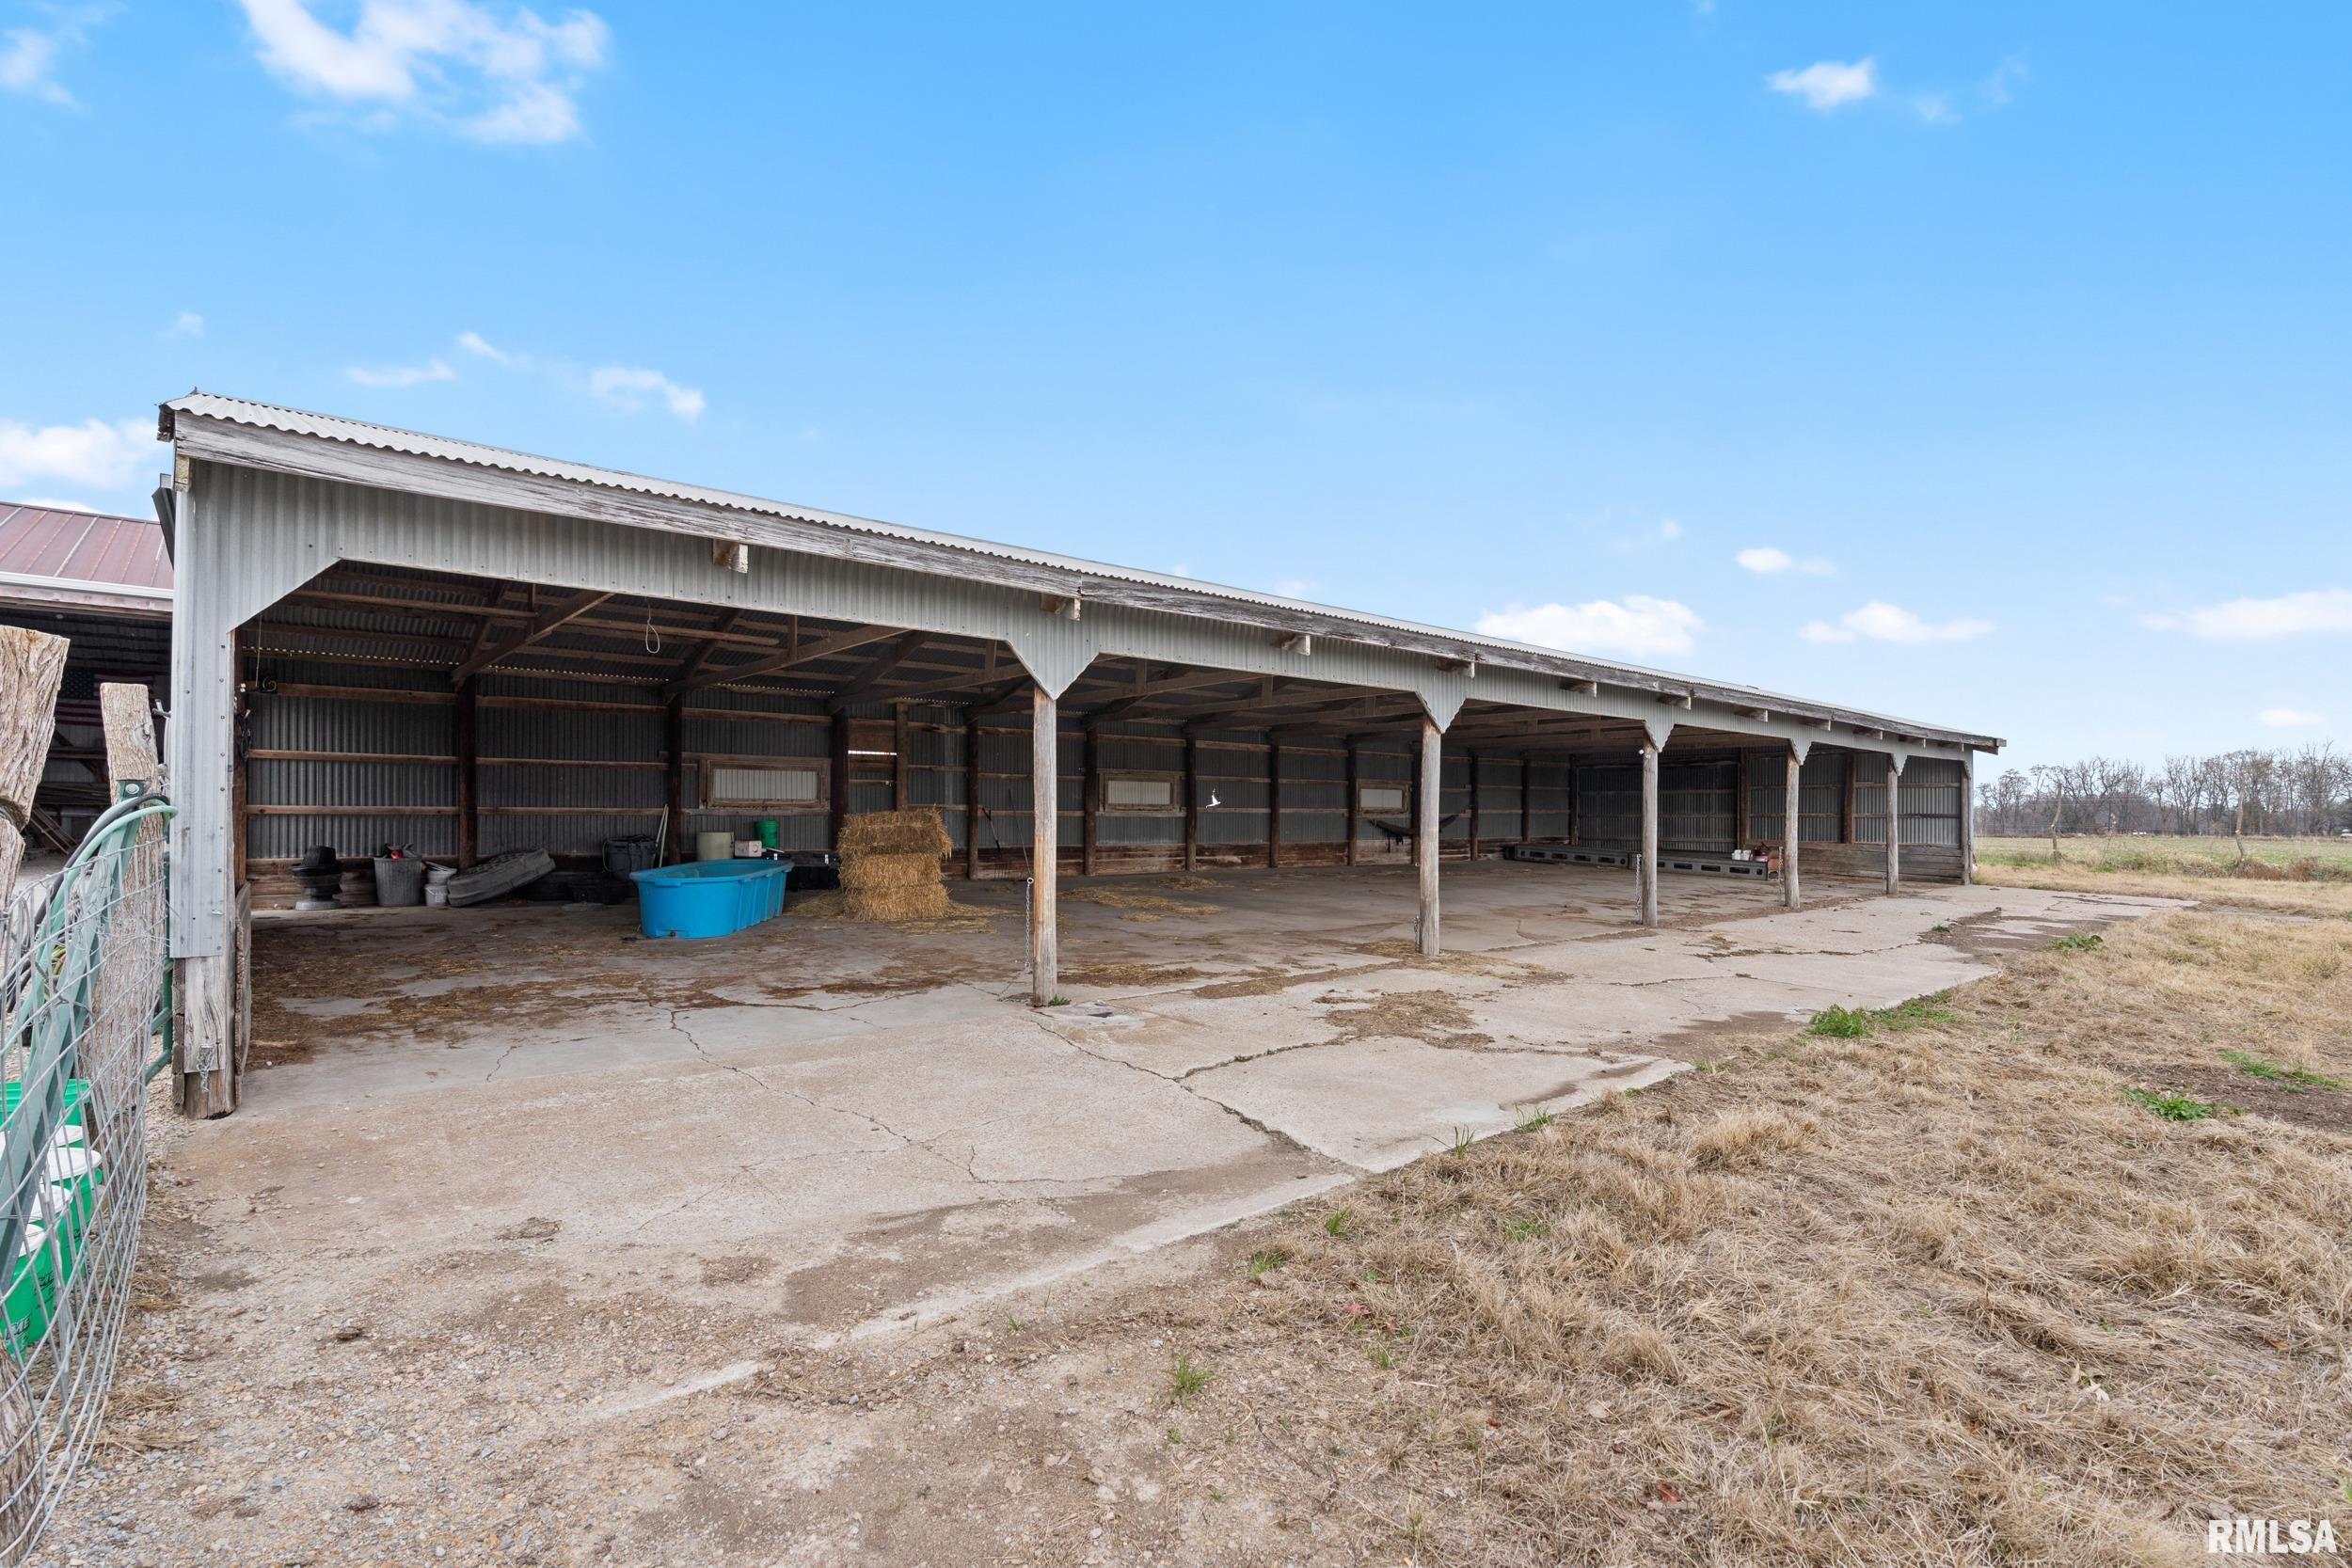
[(866, 1113)]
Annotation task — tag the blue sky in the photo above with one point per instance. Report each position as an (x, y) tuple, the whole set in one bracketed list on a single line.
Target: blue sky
[(2006, 343)]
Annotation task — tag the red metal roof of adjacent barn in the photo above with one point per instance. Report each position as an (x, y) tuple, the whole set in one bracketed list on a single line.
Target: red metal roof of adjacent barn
[(54, 557)]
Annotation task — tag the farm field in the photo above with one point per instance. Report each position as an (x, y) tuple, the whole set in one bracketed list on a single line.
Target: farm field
[(2298, 875)]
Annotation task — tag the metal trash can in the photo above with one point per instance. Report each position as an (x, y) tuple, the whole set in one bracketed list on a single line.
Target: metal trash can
[(399, 882)]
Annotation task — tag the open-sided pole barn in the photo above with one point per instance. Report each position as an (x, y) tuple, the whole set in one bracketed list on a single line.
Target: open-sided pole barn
[(385, 636)]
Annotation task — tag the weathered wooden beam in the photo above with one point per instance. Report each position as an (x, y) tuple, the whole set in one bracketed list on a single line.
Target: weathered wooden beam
[(1791, 826), (1432, 784), (1967, 818), (696, 660), (1274, 803), (468, 816), (1169, 687), (837, 805), (1893, 823), (901, 764), (1192, 801), (32, 667), (131, 977), (1090, 798), (823, 647), (1646, 868), (1469, 761), (1845, 802), (1354, 804), (1740, 823), (1044, 848), (545, 625), (880, 670), (971, 813), (674, 782)]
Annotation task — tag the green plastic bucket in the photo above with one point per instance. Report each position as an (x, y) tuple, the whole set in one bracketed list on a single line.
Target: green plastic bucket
[(765, 828)]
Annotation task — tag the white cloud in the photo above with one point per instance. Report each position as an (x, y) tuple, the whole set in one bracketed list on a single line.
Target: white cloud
[(1826, 84), (1764, 559), (1881, 622), (473, 342), (627, 386), (401, 375), (1999, 87), (51, 503), (2248, 619), (26, 60), (1293, 587), (454, 61), (187, 324), (1640, 625), (2292, 719), (1669, 529), (94, 453)]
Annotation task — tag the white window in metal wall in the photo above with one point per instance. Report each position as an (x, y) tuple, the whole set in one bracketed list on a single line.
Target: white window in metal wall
[(736, 784), (1380, 799), (1139, 792)]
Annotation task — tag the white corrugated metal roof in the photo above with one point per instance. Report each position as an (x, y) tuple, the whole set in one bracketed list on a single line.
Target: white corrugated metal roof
[(329, 427)]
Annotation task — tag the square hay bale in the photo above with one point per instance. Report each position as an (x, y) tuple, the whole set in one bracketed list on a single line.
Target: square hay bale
[(872, 873), (918, 901), (893, 832)]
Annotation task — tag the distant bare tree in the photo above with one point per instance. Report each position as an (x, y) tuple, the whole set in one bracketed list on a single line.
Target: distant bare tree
[(2247, 791)]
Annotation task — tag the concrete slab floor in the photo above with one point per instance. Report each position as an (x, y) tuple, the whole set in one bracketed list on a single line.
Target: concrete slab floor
[(847, 1127)]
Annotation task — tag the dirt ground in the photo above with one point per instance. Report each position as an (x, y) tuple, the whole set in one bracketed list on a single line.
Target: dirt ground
[(1389, 1369)]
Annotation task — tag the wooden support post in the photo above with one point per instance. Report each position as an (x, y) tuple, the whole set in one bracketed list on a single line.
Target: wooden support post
[(469, 801), (674, 782), (1845, 805), (1273, 802), (1645, 873), (1354, 810), (1470, 762), (1740, 825), (1090, 800), (131, 977), (32, 667), (1425, 831), (839, 807), (1044, 844), (1413, 792), (1527, 800), (901, 764), (240, 782), (1192, 801), (1894, 824), (1791, 826), (1967, 818), (971, 796)]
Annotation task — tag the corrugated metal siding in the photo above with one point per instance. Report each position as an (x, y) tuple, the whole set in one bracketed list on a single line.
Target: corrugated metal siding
[(1821, 796), (1695, 806), (1608, 804), (1768, 782), (1931, 802)]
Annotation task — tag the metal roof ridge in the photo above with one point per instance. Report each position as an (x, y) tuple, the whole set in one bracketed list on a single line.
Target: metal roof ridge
[(420, 443)]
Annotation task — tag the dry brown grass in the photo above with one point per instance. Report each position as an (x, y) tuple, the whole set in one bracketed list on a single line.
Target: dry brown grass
[(1932, 1296), (2285, 896)]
